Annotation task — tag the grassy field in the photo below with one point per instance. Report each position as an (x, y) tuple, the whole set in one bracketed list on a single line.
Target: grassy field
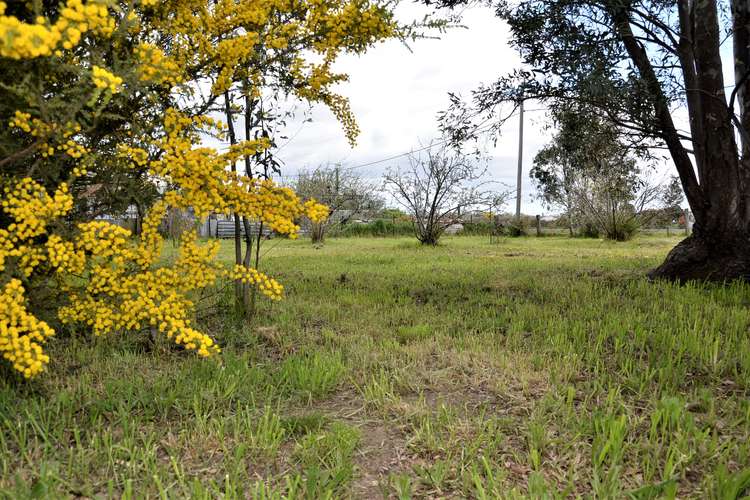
[(540, 368)]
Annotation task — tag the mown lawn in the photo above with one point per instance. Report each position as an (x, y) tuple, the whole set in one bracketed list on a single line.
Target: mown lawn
[(533, 367)]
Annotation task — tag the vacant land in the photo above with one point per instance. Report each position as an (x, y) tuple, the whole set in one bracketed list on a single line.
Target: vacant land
[(525, 367)]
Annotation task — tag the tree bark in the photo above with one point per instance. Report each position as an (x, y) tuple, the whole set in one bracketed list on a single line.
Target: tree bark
[(237, 236), (247, 295), (692, 93), (669, 134), (317, 232), (721, 182), (718, 249), (741, 39), (701, 258)]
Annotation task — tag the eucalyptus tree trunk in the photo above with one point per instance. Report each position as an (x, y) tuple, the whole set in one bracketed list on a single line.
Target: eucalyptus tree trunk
[(716, 185)]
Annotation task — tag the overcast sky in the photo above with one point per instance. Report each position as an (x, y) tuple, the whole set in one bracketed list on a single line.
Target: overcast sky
[(396, 95)]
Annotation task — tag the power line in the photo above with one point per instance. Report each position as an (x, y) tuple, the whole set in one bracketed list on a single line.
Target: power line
[(430, 146)]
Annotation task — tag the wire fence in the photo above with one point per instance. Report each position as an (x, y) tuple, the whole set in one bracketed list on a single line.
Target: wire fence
[(401, 225)]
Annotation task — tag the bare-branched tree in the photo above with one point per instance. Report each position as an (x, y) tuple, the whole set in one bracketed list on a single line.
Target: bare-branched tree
[(437, 186), (346, 194), (616, 205)]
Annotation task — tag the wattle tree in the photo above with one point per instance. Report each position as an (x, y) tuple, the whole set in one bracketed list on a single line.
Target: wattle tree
[(640, 62)]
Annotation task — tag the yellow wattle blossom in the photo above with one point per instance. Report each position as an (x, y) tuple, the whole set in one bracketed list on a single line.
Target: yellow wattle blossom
[(228, 42), (56, 136), (21, 334), (205, 184), (110, 280), (33, 126), (125, 289), (103, 79), (64, 256), (32, 208), (120, 296), (20, 40), (155, 66), (268, 286)]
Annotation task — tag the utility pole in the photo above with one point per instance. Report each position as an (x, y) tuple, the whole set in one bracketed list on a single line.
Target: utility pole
[(520, 165)]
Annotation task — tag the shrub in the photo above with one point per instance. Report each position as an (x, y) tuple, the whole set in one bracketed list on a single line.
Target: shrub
[(437, 187), (377, 228), (625, 230), (516, 229), (478, 228), (99, 97), (589, 230)]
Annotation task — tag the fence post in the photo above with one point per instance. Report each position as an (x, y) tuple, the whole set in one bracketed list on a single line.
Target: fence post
[(538, 225)]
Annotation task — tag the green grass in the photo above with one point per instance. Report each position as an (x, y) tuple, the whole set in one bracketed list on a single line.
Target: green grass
[(533, 367)]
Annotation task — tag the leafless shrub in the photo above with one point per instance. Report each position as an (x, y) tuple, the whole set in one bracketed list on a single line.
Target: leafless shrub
[(436, 186)]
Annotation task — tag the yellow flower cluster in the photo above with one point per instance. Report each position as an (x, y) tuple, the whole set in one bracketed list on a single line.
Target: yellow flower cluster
[(149, 250), (28, 203), (104, 240), (33, 126), (115, 282), (157, 67), (61, 135), (75, 151), (226, 42), (246, 148), (268, 286), (103, 79), (138, 156), (205, 184), (233, 52), (64, 256), (355, 25), (342, 110), (21, 334), (31, 209), (19, 40), (316, 212), (123, 290), (120, 297)]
